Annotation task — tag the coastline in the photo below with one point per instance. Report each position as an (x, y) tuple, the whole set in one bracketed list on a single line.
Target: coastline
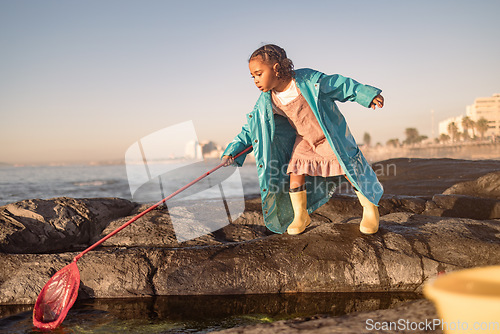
[(471, 150)]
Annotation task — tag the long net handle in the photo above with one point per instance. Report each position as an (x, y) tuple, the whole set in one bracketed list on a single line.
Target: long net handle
[(155, 206)]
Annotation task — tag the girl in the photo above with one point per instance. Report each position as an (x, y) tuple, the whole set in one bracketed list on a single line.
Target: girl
[(300, 138)]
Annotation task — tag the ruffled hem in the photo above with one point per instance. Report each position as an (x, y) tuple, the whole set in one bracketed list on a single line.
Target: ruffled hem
[(322, 168)]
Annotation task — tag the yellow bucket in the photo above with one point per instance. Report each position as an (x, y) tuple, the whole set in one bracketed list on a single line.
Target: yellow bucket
[(468, 301)]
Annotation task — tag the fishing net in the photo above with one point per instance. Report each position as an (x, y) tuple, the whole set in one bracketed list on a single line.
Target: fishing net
[(60, 292), (57, 297)]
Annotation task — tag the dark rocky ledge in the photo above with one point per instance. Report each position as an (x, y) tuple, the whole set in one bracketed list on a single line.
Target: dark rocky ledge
[(430, 223)]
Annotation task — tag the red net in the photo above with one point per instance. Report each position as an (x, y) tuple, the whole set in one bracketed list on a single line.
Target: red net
[(57, 297)]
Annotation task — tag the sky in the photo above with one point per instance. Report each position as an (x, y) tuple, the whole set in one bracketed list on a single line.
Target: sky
[(82, 81)]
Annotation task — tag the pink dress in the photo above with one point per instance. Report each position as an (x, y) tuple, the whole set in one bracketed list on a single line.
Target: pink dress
[(312, 154)]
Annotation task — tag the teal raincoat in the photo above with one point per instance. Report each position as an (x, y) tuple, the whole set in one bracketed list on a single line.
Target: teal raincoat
[(272, 138)]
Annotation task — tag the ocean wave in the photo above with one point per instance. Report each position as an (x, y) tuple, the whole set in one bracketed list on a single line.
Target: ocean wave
[(94, 183)]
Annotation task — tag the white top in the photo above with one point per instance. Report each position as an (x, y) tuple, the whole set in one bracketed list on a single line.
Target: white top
[(287, 95)]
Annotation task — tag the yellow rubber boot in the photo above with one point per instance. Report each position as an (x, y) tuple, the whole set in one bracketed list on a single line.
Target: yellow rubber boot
[(371, 217), (301, 219)]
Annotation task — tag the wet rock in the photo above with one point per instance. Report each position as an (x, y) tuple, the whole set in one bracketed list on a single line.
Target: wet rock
[(427, 177), (463, 206), (59, 224), (157, 230), (328, 257), (349, 205), (249, 226), (411, 317), (487, 186), (103, 274)]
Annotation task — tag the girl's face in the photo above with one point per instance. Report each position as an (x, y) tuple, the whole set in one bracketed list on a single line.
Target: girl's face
[(264, 75)]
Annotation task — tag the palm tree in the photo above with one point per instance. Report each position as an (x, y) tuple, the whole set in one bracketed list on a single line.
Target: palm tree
[(467, 124), (411, 136), (453, 130), (444, 137), (482, 126), (393, 142), (367, 139)]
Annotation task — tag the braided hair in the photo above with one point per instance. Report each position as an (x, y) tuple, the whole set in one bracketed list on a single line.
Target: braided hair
[(272, 54)]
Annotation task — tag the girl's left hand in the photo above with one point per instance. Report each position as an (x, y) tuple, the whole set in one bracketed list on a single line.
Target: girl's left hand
[(378, 101), (227, 160)]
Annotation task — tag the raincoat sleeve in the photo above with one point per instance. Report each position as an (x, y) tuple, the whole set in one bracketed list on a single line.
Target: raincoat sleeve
[(342, 89), (239, 143)]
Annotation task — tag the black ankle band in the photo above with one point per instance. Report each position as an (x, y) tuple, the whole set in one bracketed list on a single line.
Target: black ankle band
[(294, 190)]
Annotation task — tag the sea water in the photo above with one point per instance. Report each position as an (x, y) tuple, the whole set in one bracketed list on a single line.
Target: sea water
[(93, 181)]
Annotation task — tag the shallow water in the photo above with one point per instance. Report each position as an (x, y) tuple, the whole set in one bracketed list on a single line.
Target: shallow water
[(197, 314)]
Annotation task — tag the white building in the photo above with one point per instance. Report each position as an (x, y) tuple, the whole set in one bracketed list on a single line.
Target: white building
[(483, 107), (192, 150), (488, 108), (443, 125)]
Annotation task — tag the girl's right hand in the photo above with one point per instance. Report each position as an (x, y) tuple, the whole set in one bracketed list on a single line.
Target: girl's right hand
[(227, 160)]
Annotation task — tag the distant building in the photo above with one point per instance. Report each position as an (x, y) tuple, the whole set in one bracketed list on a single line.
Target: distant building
[(192, 150), (488, 108), (483, 107), (443, 125)]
